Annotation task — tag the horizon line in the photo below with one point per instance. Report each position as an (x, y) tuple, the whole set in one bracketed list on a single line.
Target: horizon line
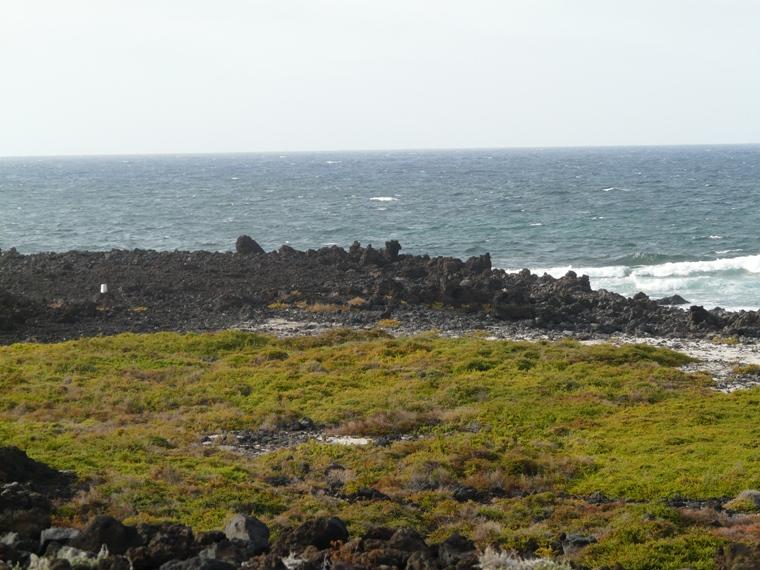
[(375, 150)]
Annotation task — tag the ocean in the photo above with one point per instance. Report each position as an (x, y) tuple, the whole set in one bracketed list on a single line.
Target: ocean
[(661, 220)]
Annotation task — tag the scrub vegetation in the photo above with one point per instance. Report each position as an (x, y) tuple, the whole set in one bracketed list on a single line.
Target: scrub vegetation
[(595, 455)]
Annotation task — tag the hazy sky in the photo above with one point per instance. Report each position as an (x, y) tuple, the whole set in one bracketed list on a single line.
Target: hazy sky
[(143, 76)]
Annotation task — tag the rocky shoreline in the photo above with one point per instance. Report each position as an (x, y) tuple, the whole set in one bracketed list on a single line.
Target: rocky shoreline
[(56, 296)]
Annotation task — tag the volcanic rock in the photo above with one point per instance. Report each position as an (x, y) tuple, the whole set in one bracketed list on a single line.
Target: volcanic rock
[(245, 245), (320, 532), (249, 530), (105, 530)]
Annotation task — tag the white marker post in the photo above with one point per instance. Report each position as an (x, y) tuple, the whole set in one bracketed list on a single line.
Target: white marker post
[(103, 288)]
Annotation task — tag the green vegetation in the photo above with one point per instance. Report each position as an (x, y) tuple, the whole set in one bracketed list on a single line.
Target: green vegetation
[(535, 428)]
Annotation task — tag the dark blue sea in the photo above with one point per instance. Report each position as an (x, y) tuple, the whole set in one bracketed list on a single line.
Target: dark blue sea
[(662, 220)]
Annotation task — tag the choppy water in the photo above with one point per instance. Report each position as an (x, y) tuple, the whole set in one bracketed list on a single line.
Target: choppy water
[(662, 220)]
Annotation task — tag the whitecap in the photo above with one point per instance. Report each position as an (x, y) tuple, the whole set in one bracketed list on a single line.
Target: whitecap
[(333, 161), (609, 189), (714, 237), (383, 199), (536, 224), (746, 263)]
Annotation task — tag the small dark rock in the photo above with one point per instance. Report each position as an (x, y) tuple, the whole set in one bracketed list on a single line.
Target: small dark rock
[(368, 494), (378, 533), (277, 481), (464, 493), (245, 245), (572, 542), (407, 540), (106, 530), (454, 549), (422, 561), (320, 532), (23, 510), (672, 300), (211, 537), (266, 562), (226, 551), (598, 498), (115, 563), (392, 248)]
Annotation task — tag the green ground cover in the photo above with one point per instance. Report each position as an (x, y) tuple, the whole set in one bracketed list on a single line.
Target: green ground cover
[(535, 428)]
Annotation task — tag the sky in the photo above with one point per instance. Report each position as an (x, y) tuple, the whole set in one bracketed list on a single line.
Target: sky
[(187, 76)]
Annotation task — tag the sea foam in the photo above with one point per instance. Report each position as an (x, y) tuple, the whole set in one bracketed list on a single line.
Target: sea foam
[(700, 282)]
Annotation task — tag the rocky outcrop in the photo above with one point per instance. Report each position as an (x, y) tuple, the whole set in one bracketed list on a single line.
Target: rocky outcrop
[(246, 245), (57, 295)]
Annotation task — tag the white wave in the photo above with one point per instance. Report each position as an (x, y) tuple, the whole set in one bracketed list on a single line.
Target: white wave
[(384, 199), (714, 237), (536, 224), (729, 282), (611, 188), (333, 161), (747, 263)]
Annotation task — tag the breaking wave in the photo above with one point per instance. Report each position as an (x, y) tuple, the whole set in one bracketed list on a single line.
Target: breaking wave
[(701, 282)]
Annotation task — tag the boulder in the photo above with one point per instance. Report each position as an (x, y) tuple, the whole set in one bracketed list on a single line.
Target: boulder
[(320, 532), (699, 317), (105, 530), (63, 536), (23, 510), (210, 537), (407, 540), (158, 544), (746, 501), (455, 549), (234, 553), (245, 245), (17, 466), (249, 530), (465, 493), (392, 248)]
